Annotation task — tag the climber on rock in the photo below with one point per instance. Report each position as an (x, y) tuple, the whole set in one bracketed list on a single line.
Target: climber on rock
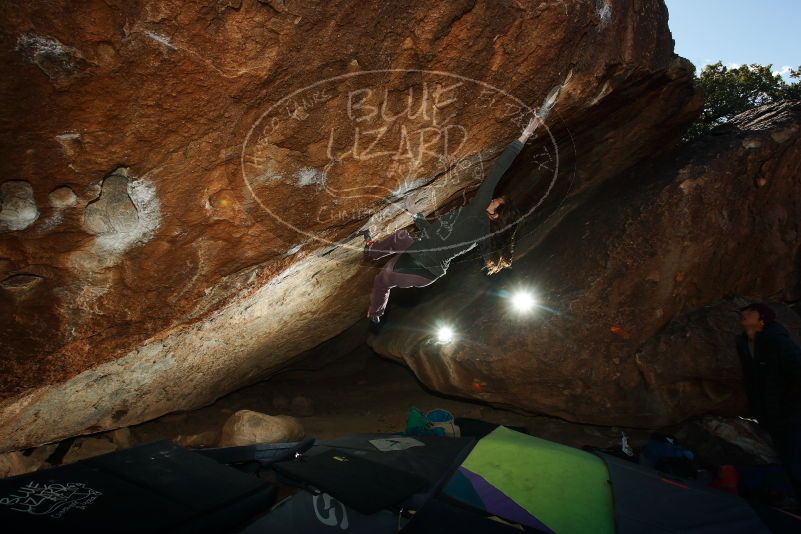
[(490, 222)]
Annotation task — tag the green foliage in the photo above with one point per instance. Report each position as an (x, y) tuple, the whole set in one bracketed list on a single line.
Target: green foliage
[(728, 92)]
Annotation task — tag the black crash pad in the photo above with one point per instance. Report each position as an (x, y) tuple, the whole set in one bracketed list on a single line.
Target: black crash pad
[(156, 487)]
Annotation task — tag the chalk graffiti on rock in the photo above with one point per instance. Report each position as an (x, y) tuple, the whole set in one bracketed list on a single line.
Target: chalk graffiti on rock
[(372, 139)]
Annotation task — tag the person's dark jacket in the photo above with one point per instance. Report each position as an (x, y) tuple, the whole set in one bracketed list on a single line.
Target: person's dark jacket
[(459, 230), (772, 376)]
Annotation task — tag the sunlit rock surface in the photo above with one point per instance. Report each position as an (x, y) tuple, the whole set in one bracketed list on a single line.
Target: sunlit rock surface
[(177, 179), (621, 337)]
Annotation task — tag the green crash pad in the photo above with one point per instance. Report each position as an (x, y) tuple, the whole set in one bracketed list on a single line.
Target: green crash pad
[(565, 488)]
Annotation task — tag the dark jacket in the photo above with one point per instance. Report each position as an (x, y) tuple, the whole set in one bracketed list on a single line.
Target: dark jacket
[(772, 376), (459, 230)]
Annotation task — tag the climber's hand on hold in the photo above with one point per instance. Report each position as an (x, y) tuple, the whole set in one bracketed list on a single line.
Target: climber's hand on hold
[(409, 204), (528, 131)]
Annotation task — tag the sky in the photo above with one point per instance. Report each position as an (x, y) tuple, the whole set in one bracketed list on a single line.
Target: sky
[(738, 32)]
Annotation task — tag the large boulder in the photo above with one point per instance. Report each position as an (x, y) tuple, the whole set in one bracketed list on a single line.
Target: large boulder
[(88, 447), (246, 427), (221, 152), (719, 440), (664, 240), (15, 463)]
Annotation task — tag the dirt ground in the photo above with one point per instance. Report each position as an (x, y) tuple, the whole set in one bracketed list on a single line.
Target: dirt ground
[(361, 392)]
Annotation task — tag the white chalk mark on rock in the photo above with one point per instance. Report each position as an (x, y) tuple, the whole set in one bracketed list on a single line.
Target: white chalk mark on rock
[(126, 213), (62, 197), (61, 63), (309, 176), (70, 142), (605, 13), (293, 250), (17, 205), (160, 39)]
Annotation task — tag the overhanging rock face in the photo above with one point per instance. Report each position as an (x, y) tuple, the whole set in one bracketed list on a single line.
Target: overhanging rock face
[(180, 181), (662, 241)]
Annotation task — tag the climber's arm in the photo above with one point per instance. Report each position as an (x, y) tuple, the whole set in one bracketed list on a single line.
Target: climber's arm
[(420, 221), (484, 194), (501, 165)]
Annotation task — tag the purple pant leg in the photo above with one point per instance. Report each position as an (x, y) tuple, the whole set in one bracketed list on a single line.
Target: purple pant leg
[(387, 278)]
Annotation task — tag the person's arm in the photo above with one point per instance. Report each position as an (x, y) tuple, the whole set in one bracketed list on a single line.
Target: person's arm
[(419, 219), (501, 165)]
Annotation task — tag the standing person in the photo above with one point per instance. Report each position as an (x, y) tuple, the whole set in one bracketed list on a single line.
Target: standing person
[(418, 263), (771, 364)]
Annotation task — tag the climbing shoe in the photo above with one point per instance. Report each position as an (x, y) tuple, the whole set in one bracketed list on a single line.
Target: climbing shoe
[(368, 241), (366, 250), (375, 324)]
